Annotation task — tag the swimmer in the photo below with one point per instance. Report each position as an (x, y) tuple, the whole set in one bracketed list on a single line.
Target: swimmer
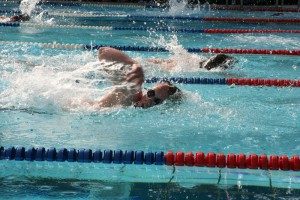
[(17, 18), (220, 60), (133, 95)]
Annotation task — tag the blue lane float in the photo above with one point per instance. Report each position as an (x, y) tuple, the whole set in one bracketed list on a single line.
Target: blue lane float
[(182, 30), (16, 24), (165, 17), (137, 48), (82, 155), (11, 24), (185, 80), (11, 11)]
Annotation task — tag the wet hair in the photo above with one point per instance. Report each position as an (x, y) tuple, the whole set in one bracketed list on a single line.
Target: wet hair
[(20, 18), (218, 60)]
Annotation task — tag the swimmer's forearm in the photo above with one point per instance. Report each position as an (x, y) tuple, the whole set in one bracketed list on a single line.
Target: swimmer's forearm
[(114, 55), (159, 60), (163, 63), (119, 96)]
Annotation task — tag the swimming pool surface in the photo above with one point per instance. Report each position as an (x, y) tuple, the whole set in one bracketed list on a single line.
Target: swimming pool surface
[(38, 85)]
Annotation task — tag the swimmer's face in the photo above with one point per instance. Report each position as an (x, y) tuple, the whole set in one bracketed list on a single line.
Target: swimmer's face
[(156, 95)]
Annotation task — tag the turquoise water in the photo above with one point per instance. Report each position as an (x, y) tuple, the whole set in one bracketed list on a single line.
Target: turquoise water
[(37, 85)]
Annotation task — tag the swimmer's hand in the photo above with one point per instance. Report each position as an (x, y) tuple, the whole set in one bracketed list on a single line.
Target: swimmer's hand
[(136, 75)]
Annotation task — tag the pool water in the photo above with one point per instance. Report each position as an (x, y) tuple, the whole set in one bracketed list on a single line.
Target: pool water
[(38, 86)]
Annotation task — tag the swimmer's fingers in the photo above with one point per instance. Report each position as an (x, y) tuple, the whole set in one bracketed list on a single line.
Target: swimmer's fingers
[(135, 77), (136, 74), (137, 69)]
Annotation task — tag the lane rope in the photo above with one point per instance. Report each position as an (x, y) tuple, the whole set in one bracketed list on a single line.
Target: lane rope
[(157, 49), (64, 26), (215, 19), (239, 31), (227, 81), (182, 30), (101, 4), (214, 7), (199, 159), (251, 20), (113, 5), (253, 8), (207, 19)]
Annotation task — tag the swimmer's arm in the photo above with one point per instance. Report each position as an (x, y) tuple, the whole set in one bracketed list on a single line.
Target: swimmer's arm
[(159, 60), (111, 99), (136, 75), (119, 96), (114, 55), (164, 63), (125, 96)]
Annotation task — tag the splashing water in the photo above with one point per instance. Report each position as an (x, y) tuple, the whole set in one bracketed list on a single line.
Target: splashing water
[(46, 87), (182, 7), (207, 5), (67, 83), (185, 61), (59, 83), (27, 6), (177, 6)]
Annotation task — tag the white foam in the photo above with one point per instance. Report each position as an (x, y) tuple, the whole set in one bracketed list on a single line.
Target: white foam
[(27, 6), (59, 82), (184, 61), (50, 86), (182, 7)]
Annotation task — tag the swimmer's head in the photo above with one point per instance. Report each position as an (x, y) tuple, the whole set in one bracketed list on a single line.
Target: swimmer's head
[(220, 60), (158, 94), (20, 18)]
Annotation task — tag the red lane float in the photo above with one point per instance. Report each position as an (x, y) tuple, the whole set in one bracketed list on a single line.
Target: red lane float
[(240, 161), (200, 159), (240, 31), (250, 20), (251, 51), (257, 9), (263, 82)]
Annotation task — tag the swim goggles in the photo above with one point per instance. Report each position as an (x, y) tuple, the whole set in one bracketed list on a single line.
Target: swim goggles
[(151, 94)]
